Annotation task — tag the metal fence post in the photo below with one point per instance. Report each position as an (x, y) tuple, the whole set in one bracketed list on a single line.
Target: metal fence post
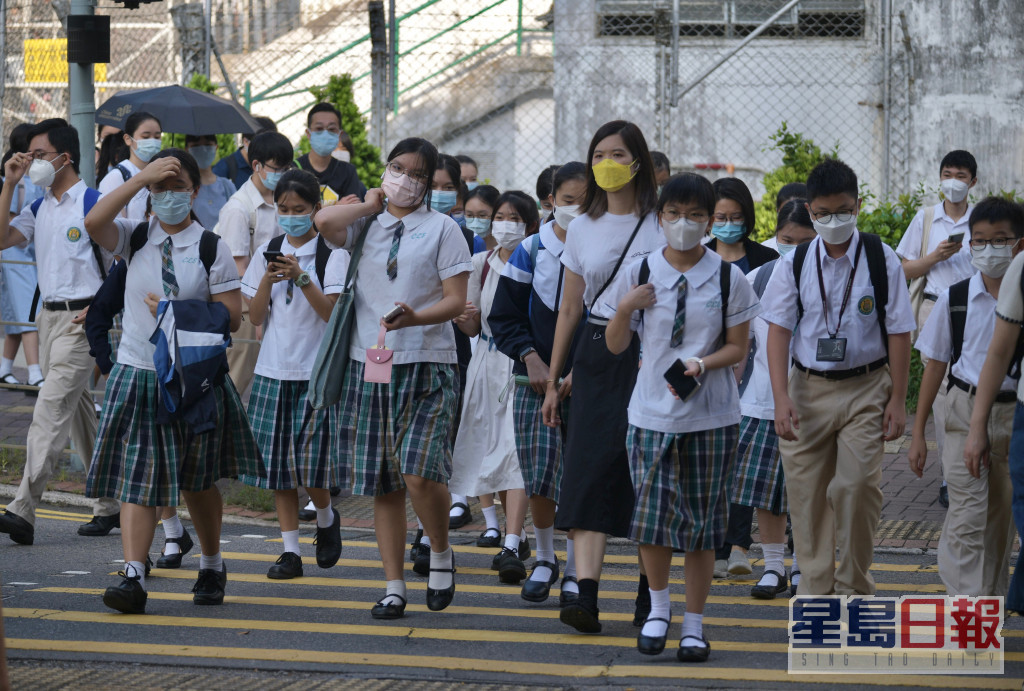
[(519, 29), (886, 26), (379, 69), (83, 102)]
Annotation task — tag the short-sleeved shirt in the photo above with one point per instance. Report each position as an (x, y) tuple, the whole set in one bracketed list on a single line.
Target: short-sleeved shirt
[(936, 339), (945, 273), (593, 246), (757, 400), (293, 330), (236, 217), (1010, 306), (432, 249), (480, 290), (66, 265), (864, 344), (210, 200), (338, 180), (136, 208), (25, 193), (145, 275), (716, 404)]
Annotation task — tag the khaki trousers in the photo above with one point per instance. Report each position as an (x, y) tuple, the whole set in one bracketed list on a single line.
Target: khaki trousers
[(939, 406), (242, 356), (977, 535), (833, 472), (64, 408)]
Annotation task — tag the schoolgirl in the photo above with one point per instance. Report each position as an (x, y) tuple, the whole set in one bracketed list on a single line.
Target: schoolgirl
[(522, 320), (479, 208), (215, 191), (136, 459), (417, 259), (292, 297), (617, 224), (142, 136), (682, 443), (484, 460)]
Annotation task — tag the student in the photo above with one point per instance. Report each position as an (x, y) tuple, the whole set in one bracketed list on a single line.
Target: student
[(681, 452), (617, 224), (236, 167), (977, 535), (215, 191), (791, 190), (759, 481), (70, 271), (544, 191), (417, 259), (343, 152), (248, 220), (143, 136), (292, 299), (469, 171), (935, 249), (522, 319), (479, 208), (113, 150), (662, 168), (846, 394), (339, 180)]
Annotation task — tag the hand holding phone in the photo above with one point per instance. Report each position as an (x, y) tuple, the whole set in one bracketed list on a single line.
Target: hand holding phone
[(957, 238), (393, 314), (684, 385), (272, 256)]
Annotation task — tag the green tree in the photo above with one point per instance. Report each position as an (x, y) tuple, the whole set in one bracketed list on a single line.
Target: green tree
[(225, 142), (365, 156)]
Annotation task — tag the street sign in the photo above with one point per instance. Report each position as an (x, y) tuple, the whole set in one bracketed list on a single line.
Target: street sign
[(46, 61)]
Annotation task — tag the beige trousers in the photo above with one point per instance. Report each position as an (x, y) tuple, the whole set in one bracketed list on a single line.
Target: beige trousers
[(242, 356), (977, 535), (64, 408), (833, 472), (939, 406)]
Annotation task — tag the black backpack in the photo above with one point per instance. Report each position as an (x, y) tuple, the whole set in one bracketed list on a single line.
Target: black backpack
[(323, 254), (958, 293)]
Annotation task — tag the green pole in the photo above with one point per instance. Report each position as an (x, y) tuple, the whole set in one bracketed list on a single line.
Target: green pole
[(248, 95), (519, 30)]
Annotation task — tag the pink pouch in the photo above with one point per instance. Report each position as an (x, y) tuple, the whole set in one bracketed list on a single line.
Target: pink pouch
[(378, 361)]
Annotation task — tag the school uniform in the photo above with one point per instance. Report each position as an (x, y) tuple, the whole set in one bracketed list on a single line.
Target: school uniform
[(210, 200), (136, 207), (977, 534), (18, 281), (597, 490), (834, 468), (136, 459), (403, 428), (681, 453), (299, 445)]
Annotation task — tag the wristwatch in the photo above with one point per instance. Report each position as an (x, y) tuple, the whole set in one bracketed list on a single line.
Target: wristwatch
[(303, 280), (526, 351), (700, 363)]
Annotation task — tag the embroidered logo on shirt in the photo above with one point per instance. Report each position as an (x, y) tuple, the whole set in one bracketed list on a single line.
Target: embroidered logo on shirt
[(74, 234), (713, 305), (866, 305)]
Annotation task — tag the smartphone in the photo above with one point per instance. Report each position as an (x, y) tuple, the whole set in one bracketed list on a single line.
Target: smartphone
[(272, 257), (685, 385), (393, 314), (957, 238)]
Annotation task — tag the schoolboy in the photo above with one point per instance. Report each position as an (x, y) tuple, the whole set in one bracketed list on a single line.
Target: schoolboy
[(338, 180), (847, 393)]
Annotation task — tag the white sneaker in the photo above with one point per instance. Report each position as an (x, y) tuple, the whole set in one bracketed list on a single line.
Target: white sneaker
[(739, 564), (721, 568)]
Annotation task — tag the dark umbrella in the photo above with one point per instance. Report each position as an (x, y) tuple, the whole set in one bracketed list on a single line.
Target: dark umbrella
[(180, 110)]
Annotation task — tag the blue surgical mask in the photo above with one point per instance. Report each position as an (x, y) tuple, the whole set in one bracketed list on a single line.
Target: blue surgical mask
[(146, 149), (479, 226), (171, 207), (204, 155), (296, 226), (784, 249), (442, 201), (472, 185), (729, 233), (323, 142), (271, 180)]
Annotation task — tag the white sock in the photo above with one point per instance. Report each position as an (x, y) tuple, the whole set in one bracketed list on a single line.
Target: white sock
[(794, 577), (570, 559), (661, 608), (35, 373), (6, 366), (425, 540), (395, 588), (545, 538), (325, 517), (172, 529), (774, 560), (310, 506), (136, 568), (491, 517), (693, 625), (439, 580), (522, 535), (215, 562), (291, 541), (512, 543), (456, 512)]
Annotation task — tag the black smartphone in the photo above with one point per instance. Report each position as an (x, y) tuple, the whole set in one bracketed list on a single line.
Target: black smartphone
[(956, 237), (272, 257), (393, 314), (685, 385)]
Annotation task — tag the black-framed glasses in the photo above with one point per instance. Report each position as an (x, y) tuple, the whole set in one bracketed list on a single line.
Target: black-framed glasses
[(998, 243), (841, 217)]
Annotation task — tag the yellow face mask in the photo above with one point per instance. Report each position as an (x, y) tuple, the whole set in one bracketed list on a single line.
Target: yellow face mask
[(612, 176)]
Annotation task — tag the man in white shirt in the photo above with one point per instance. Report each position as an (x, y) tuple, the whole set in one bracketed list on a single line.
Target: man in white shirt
[(70, 270)]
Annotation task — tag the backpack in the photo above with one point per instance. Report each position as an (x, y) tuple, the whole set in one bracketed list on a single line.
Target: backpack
[(958, 293), (760, 284), (875, 256), (724, 285), (207, 245), (323, 254), (125, 173)]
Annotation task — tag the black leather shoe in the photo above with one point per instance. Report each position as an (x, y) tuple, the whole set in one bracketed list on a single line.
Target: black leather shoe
[(792, 585), (489, 538), (421, 566), (173, 561), (944, 496), (524, 549), (438, 599), (581, 616), (390, 610), (100, 525), (328, 543), (209, 587), (456, 522), (539, 591), (128, 597), (768, 592), (652, 645), (335, 491), (568, 598), (510, 567), (20, 530), (307, 515), (149, 565), (689, 653), (287, 566), (414, 550), (641, 608)]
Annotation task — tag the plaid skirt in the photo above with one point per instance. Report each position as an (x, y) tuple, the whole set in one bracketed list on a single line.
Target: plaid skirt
[(682, 486), (402, 428), (758, 480), (299, 445), (140, 462), (538, 446)]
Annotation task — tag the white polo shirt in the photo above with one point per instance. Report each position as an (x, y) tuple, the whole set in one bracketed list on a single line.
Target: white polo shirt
[(652, 405), (236, 217), (111, 181), (65, 262), (946, 273), (432, 249), (757, 400), (592, 246), (293, 331), (145, 275), (864, 343), (1010, 306)]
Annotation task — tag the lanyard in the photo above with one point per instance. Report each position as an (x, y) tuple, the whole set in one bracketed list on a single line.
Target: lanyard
[(846, 295)]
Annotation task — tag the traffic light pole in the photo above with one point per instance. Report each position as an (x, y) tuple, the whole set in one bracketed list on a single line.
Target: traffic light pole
[(83, 101)]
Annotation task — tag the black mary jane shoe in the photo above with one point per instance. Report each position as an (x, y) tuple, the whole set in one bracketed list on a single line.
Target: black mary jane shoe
[(439, 598), (456, 522), (652, 645), (689, 653), (486, 539), (539, 591), (581, 616), (768, 592), (567, 598), (390, 610), (173, 561)]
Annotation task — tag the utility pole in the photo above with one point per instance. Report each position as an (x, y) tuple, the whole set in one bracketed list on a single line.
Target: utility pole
[(88, 43)]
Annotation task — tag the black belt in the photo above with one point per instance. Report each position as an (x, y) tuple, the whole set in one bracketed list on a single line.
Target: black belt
[(67, 305), (1001, 397), (931, 296), (839, 375)]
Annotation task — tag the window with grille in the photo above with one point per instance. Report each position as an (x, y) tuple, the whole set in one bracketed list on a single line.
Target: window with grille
[(733, 18)]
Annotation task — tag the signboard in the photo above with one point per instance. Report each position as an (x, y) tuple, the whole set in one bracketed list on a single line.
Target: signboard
[(46, 61)]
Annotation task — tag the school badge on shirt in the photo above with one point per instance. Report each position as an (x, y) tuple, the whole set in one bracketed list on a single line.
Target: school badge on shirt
[(866, 305), (74, 234)]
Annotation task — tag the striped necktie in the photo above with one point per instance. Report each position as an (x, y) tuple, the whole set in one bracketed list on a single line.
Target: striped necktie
[(680, 321), (167, 266), (393, 254)]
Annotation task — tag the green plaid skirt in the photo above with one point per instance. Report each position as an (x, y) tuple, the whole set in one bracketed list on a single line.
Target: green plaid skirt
[(299, 445), (682, 486), (401, 428), (538, 446), (140, 462), (758, 480)]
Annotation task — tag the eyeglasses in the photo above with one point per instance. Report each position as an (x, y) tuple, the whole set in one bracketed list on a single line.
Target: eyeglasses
[(998, 243), (841, 217), (39, 155), (272, 169), (735, 218), (417, 175), (672, 216), (165, 187)]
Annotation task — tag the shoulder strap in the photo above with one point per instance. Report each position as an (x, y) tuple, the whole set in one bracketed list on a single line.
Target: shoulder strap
[(534, 248), (35, 206), (875, 255), (799, 255), (357, 252), (323, 255), (88, 201), (486, 269), (926, 230), (958, 316), (208, 249), (725, 286), (138, 239), (643, 278), (618, 264), (232, 164), (762, 278), (275, 244), (125, 173)]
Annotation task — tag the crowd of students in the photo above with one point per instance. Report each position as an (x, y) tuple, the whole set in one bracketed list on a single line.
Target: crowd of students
[(643, 368)]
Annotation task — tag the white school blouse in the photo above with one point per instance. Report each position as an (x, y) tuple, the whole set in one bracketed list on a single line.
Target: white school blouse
[(136, 208), (945, 273), (757, 400), (1010, 306)]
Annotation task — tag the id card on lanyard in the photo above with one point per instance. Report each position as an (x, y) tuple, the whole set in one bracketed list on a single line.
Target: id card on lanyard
[(833, 348)]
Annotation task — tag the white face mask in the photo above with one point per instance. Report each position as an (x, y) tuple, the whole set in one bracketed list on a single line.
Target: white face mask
[(341, 155), (683, 234), (954, 190), (508, 233), (835, 232), (41, 172), (992, 261), (564, 215)]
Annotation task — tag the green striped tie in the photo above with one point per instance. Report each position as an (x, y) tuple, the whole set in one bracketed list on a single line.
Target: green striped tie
[(680, 322), (393, 254)]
